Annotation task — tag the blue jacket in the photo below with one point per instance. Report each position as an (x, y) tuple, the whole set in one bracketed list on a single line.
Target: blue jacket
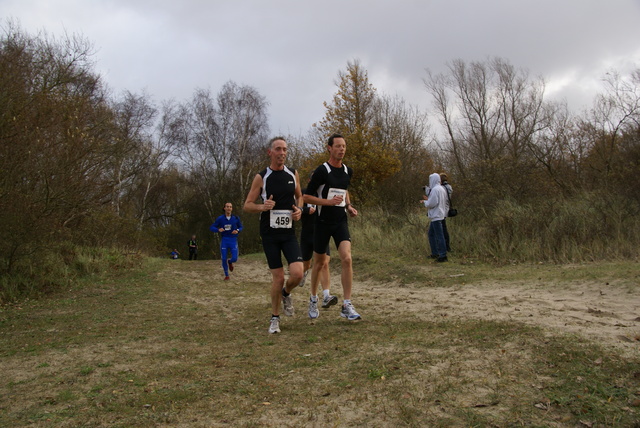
[(229, 225)]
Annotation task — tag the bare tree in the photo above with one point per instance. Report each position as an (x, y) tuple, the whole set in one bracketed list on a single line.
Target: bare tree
[(523, 113), (559, 149), (615, 112), (245, 109), (405, 130), (218, 139), (491, 115), (131, 145)]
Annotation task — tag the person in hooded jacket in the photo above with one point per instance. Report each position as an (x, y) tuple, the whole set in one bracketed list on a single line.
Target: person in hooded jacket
[(436, 203)]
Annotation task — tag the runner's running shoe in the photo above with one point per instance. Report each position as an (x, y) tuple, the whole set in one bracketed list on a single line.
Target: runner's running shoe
[(287, 303), (274, 327), (230, 267), (329, 301), (349, 312), (226, 278), (313, 308), (304, 278)]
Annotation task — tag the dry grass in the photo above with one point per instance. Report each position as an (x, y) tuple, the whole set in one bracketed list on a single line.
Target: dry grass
[(174, 345)]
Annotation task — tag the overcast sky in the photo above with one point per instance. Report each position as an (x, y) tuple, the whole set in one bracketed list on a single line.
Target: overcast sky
[(292, 50)]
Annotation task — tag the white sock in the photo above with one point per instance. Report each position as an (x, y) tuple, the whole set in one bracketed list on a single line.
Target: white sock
[(346, 301), (325, 293), (314, 298)]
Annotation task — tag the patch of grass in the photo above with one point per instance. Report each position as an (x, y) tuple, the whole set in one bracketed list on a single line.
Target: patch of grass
[(62, 267), (66, 395), (167, 345), (513, 233), (85, 371), (460, 271), (378, 373)]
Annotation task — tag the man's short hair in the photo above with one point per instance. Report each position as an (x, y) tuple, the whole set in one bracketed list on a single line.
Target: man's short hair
[(274, 139), (333, 137)]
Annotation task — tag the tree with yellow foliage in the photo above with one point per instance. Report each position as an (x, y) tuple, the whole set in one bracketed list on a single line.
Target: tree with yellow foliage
[(352, 114)]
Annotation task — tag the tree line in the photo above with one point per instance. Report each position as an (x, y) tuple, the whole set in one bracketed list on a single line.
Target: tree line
[(82, 166)]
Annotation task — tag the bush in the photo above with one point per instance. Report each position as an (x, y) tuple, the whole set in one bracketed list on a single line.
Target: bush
[(59, 268), (587, 227)]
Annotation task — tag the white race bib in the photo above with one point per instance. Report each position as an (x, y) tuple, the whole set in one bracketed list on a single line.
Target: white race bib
[(338, 192), (227, 227), (280, 219)]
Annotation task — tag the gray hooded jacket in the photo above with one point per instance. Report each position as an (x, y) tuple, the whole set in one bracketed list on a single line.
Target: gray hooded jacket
[(437, 202)]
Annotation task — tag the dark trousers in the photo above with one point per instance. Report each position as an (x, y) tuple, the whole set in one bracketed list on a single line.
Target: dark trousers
[(446, 234), (436, 239)]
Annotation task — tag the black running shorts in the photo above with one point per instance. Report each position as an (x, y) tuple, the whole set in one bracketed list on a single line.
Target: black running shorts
[(306, 246), (275, 245), (324, 232)]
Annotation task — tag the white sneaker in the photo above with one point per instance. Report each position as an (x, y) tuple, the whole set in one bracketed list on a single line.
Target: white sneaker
[(275, 325), (313, 308), (287, 304), (329, 301), (349, 312)]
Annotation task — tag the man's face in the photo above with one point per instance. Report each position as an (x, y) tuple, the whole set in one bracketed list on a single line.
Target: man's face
[(278, 152), (228, 208), (339, 148)]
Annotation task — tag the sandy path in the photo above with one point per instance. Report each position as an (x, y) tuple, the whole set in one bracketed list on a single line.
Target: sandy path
[(610, 316), (606, 313)]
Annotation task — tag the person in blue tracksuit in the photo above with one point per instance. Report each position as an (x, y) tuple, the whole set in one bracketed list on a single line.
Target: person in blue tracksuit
[(228, 226)]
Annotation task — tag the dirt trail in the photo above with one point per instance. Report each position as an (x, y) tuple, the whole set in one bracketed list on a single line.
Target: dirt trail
[(607, 313)]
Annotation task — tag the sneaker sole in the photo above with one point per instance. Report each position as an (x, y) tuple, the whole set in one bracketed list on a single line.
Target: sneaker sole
[(349, 318), (330, 303)]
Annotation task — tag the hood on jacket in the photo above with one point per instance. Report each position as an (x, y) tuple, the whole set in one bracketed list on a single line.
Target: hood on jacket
[(434, 180)]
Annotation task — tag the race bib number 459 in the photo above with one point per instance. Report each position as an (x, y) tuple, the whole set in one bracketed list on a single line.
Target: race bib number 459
[(333, 192), (280, 219)]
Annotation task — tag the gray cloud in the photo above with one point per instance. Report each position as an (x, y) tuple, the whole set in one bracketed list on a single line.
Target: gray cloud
[(292, 50)]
